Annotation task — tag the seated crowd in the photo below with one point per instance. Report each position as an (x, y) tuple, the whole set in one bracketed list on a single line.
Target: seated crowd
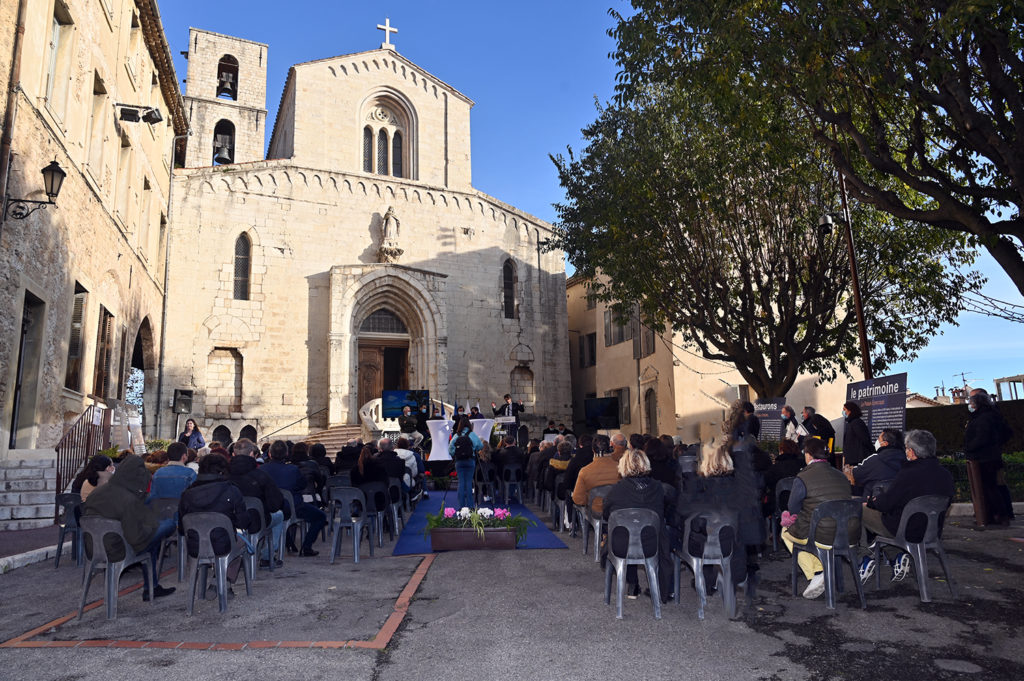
[(730, 473)]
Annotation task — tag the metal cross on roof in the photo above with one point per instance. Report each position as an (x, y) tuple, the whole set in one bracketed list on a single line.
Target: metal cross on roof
[(388, 30)]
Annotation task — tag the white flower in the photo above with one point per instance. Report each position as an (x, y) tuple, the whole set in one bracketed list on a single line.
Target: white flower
[(465, 512), (485, 513)]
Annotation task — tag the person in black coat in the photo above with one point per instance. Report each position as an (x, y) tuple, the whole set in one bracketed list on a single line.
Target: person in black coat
[(719, 487), (884, 465), (787, 464), (818, 426), (583, 456), (857, 444), (986, 433), (213, 492), (318, 454), (254, 482), (637, 489), (288, 477), (368, 469), (750, 425), (393, 464), (314, 477), (922, 475), (664, 467), (346, 459)]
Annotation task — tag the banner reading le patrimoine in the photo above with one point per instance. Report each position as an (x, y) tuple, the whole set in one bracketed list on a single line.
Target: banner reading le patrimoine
[(883, 402), (770, 413)]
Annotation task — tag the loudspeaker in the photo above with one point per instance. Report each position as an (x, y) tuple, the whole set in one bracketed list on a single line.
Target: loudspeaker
[(182, 401)]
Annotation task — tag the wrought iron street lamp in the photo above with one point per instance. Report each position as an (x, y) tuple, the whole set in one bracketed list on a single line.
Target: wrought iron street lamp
[(53, 179)]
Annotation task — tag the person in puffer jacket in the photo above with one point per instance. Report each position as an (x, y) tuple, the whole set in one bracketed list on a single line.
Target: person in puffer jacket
[(882, 466), (213, 492)]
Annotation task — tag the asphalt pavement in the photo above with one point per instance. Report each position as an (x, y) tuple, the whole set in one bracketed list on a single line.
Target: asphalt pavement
[(536, 614)]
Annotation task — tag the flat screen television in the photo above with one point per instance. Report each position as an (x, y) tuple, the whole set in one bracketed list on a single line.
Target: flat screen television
[(392, 401), (602, 413)]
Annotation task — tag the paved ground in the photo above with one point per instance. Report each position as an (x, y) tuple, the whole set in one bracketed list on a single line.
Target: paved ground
[(520, 615)]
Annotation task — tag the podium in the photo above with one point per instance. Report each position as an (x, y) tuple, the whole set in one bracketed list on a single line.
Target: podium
[(507, 425), (483, 428), (440, 433)]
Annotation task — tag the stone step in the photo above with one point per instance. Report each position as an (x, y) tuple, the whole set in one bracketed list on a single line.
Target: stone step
[(32, 485), (26, 524), (39, 473)]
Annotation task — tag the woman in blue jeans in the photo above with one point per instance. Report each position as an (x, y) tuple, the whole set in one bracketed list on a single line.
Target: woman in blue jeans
[(463, 448)]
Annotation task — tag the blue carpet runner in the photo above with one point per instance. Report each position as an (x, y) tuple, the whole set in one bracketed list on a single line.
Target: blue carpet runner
[(413, 541)]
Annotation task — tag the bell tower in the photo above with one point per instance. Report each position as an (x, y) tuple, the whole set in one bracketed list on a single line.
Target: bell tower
[(225, 99)]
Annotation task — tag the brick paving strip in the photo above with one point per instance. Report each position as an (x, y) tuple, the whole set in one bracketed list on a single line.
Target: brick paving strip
[(378, 642)]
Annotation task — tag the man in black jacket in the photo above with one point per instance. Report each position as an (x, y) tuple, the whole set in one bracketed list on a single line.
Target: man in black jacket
[(922, 475), (408, 424), (253, 482), (882, 466), (819, 427), (987, 432)]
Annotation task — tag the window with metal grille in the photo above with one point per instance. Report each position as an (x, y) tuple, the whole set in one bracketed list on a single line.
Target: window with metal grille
[(243, 256), (382, 153), (508, 274), (367, 150), (396, 155), (383, 321)]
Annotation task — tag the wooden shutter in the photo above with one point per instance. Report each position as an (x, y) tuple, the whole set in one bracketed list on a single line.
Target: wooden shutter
[(73, 373)]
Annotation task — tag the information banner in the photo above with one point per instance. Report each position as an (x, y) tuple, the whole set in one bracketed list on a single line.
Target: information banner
[(770, 413), (883, 402)]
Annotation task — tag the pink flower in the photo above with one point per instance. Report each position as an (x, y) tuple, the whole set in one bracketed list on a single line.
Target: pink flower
[(501, 513), (449, 513)]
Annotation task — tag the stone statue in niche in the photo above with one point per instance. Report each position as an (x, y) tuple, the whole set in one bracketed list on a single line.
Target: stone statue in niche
[(389, 250)]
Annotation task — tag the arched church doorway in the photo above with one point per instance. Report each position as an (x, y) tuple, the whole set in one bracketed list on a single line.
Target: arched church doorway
[(383, 355)]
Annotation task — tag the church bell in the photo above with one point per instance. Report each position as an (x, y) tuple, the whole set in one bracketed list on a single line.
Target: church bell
[(226, 84), (222, 155)]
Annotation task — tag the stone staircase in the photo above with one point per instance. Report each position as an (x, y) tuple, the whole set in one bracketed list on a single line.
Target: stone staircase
[(27, 491), (335, 437)]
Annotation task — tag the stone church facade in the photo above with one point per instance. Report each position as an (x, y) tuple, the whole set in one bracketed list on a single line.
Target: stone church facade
[(356, 257)]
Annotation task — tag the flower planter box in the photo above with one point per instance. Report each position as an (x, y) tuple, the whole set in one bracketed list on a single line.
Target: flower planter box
[(466, 539)]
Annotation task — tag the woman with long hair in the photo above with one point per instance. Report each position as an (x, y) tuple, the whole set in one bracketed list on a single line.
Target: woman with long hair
[(96, 472), (368, 468), (191, 436)]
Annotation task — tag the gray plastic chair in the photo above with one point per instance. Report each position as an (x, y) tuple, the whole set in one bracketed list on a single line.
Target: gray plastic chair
[(783, 486), (633, 520), (931, 507), (203, 524), (95, 530), (512, 475), (339, 480), (70, 510), (395, 503), (841, 511), (558, 504), (168, 508), (262, 535), (716, 521), (341, 518), (376, 498), (290, 519), (485, 479), (590, 523)]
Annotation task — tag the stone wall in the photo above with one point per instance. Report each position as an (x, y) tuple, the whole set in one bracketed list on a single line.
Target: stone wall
[(303, 223)]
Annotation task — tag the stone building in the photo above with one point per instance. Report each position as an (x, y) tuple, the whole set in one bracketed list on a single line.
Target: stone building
[(356, 257), (81, 281), (662, 386)]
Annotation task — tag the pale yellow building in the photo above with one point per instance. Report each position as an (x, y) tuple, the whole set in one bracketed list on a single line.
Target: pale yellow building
[(81, 280), (663, 386)]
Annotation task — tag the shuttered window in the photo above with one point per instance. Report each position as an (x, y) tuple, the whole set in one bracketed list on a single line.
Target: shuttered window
[(73, 373)]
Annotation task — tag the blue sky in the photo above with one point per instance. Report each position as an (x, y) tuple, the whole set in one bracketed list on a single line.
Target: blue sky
[(534, 70)]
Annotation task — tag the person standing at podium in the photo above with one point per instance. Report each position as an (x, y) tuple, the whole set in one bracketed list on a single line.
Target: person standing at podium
[(509, 408)]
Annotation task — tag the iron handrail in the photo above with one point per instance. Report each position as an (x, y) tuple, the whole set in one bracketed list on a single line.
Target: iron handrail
[(75, 447), (304, 418)]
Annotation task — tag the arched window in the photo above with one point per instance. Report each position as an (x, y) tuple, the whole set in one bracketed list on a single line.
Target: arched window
[(227, 77), (243, 259), (367, 150), (508, 287), (223, 142), (382, 152), (389, 128), (383, 321), (396, 154)]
